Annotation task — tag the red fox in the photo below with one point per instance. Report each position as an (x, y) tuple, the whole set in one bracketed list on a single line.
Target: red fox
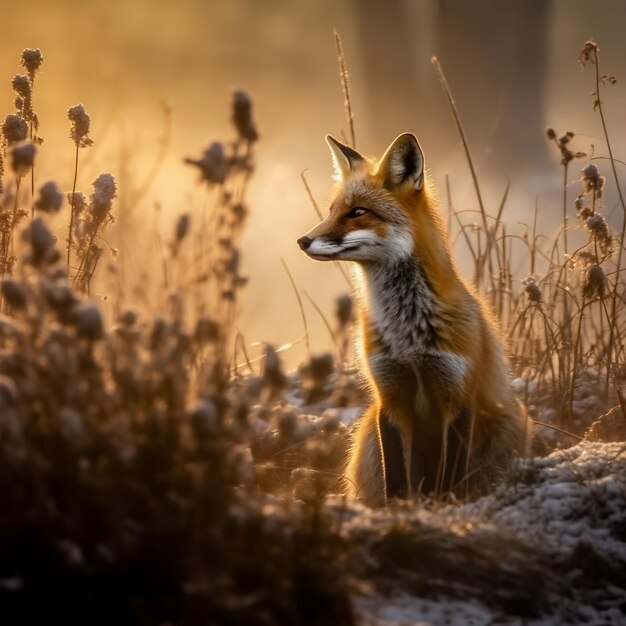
[(444, 417)]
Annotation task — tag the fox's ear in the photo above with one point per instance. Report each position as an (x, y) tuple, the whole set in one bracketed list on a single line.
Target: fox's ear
[(403, 163), (344, 157)]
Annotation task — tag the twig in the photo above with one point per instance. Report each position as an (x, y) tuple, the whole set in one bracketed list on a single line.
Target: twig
[(561, 430), (321, 314), (345, 86), (459, 125), (302, 313), (311, 198), (613, 323)]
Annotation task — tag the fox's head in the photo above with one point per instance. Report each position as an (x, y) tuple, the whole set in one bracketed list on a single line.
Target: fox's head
[(370, 217)]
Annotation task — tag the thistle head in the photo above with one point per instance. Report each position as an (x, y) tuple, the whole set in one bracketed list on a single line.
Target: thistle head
[(50, 198), (533, 290), (31, 61), (242, 116), (79, 132), (23, 157), (591, 180), (595, 283), (104, 190), (213, 165), (14, 129)]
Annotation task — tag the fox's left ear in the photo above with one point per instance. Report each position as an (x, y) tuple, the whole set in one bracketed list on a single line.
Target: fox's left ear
[(344, 158), (403, 163)]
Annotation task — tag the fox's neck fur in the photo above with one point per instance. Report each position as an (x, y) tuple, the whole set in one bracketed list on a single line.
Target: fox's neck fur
[(401, 305), (400, 297)]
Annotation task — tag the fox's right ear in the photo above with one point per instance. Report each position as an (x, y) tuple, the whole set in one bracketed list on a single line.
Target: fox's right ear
[(344, 158)]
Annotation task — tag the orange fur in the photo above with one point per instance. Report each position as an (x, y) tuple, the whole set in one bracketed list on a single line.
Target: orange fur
[(444, 417)]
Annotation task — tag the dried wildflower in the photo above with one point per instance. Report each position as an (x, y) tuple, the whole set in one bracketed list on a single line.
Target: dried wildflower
[(206, 331), (204, 420), (31, 61), (41, 242), (213, 165), (344, 310), (79, 133), (182, 227), (88, 321), (590, 49), (584, 212), (14, 293), (273, 376), (239, 212), (533, 290), (595, 283), (14, 129), (591, 180), (22, 86), (50, 198), (77, 201), (128, 317), (598, 227), (23, 157), (104, 190), (567, 155), (24, 99), (242, 117)]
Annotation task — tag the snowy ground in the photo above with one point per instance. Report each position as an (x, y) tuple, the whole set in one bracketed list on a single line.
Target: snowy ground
[(548, 547)]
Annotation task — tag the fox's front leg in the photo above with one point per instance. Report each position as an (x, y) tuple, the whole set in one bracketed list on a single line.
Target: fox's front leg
[(377, 467), (396, 388), (365, 472)]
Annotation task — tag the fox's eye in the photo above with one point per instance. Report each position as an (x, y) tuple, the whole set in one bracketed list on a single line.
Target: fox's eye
[(357, 211)]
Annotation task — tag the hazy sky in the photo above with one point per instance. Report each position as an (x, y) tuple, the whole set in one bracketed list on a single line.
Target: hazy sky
[(123, 59)]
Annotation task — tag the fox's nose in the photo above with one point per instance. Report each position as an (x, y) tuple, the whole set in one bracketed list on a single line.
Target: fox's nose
[(304, 242)]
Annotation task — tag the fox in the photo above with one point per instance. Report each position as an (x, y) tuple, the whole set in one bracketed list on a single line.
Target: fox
[(443, 417)]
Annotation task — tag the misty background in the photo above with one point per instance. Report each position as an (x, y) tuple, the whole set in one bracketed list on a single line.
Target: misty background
[(512, 67)]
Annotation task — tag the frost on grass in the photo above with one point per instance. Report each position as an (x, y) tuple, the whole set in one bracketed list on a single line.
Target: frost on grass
[(549, 546)]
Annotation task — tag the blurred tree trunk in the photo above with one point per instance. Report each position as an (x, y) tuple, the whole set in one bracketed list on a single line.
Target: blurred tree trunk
[(386, 34), (494, 55)]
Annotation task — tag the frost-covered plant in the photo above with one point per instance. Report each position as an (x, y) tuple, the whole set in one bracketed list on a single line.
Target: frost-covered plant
[(90, 222), (123, 474), (79, 133)]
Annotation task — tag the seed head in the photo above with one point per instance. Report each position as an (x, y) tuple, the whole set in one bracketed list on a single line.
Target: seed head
[(14, 129), (344, 310), (242, 116), (31, 61), (213, 165), (550, 133), (590, 49), (533, 290), (104, 190), (595, 283), (182, 227), (41, 241), (77, 201), (50, 198), (88, 321), (79, 133), (591, 180), (14, 293), (598, 227), (23, 157), (22, 86)]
